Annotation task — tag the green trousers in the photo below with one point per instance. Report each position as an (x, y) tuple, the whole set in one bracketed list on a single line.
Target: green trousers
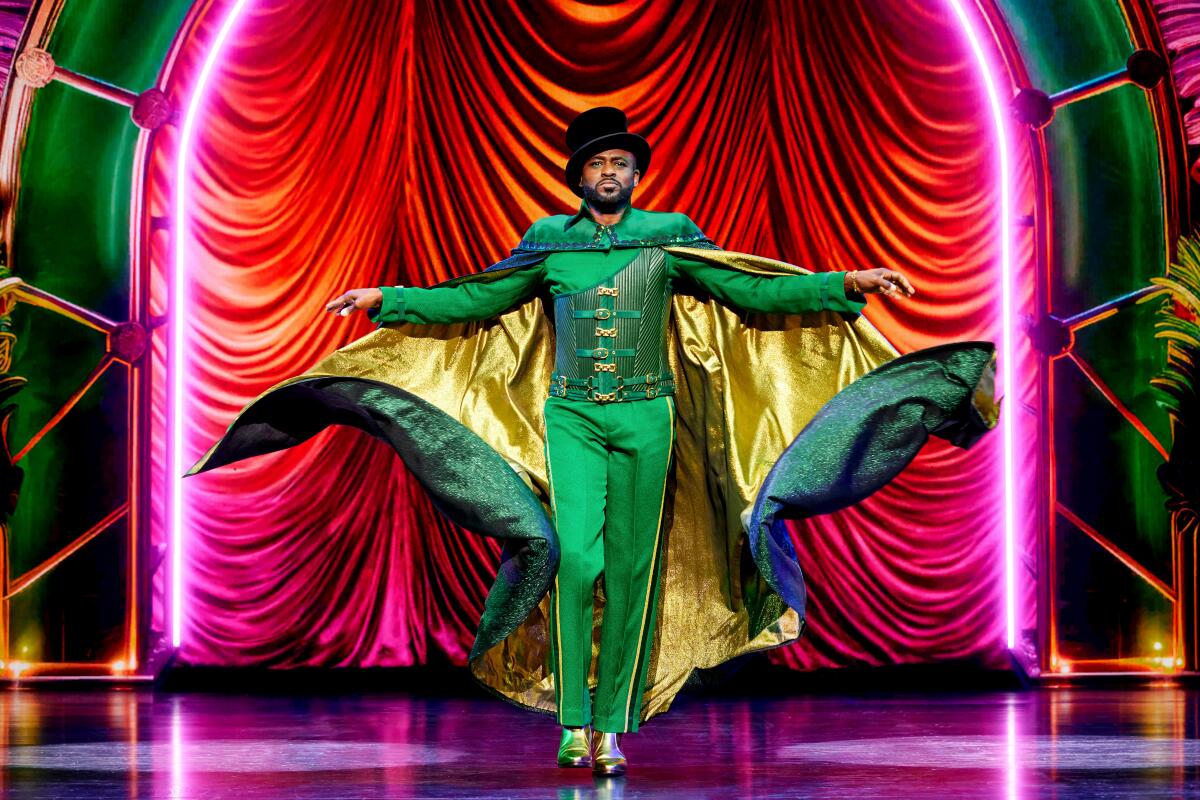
[(608, 465)]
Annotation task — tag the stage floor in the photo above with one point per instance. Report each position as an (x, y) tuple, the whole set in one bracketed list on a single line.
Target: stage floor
[(1061, 743)]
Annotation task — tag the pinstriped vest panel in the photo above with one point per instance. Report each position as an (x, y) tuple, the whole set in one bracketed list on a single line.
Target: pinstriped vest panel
[(621, 322)]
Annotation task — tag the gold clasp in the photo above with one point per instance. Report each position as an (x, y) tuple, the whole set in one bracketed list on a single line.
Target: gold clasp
[(611, 291), (611, 333), (606, 367)]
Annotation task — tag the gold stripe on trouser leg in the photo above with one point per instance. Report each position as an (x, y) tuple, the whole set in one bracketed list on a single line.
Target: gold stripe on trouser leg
[(576, 458), (640, 457), (556, 639), (634, 682)]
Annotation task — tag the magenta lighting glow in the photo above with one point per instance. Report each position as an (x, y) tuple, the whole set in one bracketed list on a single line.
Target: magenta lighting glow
[(179, 302), (988, 70)]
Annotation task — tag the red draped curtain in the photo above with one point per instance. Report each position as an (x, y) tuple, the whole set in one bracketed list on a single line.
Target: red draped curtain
[(363, 144)]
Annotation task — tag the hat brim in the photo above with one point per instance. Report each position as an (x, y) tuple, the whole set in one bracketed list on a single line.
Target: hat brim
[(613, 141)]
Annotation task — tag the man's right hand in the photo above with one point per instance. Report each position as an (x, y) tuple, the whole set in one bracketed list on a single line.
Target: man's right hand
[(353, 300)]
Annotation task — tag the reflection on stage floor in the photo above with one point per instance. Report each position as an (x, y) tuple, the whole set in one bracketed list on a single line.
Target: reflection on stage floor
[(1061, 743)]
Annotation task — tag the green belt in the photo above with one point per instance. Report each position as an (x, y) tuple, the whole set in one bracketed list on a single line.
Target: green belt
[(605, 352), (645, 387), (605, 313)]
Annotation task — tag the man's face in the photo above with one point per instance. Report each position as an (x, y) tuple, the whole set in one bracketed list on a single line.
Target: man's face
[(608, 179)]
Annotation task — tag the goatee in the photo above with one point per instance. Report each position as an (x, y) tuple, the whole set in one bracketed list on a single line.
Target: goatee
[(610, 204)]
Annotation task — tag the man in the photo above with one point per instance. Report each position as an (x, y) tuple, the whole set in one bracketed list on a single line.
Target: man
[(608, 461), (609, 273)]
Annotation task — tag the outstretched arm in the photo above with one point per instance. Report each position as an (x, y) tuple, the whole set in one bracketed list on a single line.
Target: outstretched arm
[(481, 297), (791, 294)]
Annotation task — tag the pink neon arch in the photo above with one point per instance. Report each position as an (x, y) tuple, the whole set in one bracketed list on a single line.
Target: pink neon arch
[(178, 353), (987, 70)]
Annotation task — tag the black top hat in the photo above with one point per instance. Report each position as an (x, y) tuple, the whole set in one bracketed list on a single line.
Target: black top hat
[(597, 130)]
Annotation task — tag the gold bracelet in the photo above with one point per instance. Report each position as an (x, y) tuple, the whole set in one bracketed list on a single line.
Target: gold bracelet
[(854, 282)]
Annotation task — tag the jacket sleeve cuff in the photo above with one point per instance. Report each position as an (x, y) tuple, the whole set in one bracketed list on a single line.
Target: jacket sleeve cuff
[(392, 307), (835, 297)]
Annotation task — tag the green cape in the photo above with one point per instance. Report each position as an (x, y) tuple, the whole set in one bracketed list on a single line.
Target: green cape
[(779, 417)]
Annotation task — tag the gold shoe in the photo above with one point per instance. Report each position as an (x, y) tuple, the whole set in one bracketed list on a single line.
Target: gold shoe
[(607, 758), (573, 749)]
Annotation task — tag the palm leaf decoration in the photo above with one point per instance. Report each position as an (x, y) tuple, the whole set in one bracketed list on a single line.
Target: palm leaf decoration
[(1178, 384)]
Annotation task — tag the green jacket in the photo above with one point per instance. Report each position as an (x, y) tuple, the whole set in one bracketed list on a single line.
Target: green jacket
[(565, 254)]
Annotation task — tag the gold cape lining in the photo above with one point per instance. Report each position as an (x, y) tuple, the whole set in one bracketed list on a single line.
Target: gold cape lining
[(746, 386)]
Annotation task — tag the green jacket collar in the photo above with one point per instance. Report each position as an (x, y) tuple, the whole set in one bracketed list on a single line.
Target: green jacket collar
[(586, 213), (636, 228)]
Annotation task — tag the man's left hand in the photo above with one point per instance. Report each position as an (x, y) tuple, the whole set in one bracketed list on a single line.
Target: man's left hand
[(879, 281)]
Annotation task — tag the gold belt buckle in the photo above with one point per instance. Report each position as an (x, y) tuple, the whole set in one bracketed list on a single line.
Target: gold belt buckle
[(603, 313), (651, 391)]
